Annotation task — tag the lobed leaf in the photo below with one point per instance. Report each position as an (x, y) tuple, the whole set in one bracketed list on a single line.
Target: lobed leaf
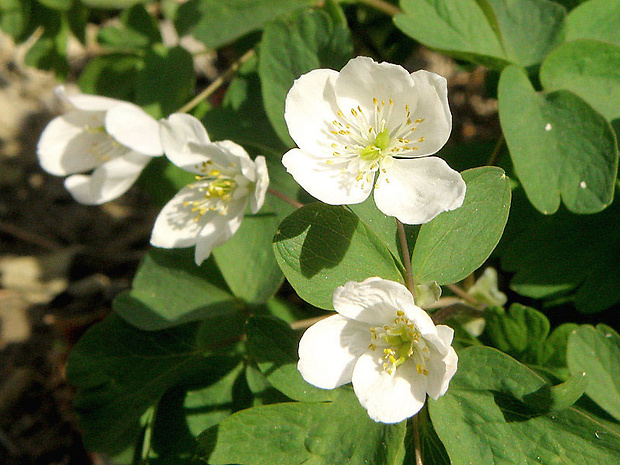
[(560, 147)]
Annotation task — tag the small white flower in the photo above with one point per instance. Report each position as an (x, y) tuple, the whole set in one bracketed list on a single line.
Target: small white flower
[(386, 345), (373, 118), (113, 138), (207, 213)]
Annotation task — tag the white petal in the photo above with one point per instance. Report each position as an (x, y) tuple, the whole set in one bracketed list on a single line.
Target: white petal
[(328, 351), (65, 146), (424, 323), (417, 190), (388, 398), (180, 133), (327, 183), (87, 102), (362, 79), (217, 231), (440, 372), (109, 181), (175, 226), (133, 128), (432, 91), (262, 183), (374, 301), (310, 109)]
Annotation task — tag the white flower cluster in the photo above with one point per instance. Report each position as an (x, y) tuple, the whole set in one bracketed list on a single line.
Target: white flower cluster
[(369, 126)]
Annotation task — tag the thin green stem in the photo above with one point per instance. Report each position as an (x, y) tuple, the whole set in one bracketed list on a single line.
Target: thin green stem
[(404, 247), (462, 294), (383, 6), (211, 88), (417, 443), (496, 151), (284, 197)]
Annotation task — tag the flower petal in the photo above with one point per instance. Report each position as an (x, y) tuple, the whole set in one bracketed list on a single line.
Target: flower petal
[(219, 230), (432, 91), (175, 225), (440, 372), (310, 109), (328, 351), (132, 127), (66, 145), (257, 198), (362, 79), (417, 190), (109, 181), (327, 183), (374, 301), (388, 398), (180, 135), (87, 102)]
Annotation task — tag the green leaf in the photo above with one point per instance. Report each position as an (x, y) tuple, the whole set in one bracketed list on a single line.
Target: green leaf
[(119, 371), (15, 17), (490, 32), (272, 344), (170, 289), (111, 4), (595, 19), (216, 23), (59, 5), (292, 47), (113, 75), (497, 411), (167, 80), (138, 30), (596, 351), (456, 243), (331, 433), (560, 146), (550, 259), (320, 247), (589, 69), (520, 333)]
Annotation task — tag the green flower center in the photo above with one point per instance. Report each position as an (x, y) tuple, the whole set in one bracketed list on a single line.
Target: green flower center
[(400, 341), (374, 151)]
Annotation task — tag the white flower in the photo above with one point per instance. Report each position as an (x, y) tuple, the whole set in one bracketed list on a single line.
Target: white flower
[(207, 213), (373, 118), (386, 345), (113, 138)]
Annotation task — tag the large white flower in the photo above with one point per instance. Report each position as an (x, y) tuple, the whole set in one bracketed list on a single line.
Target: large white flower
[(207, 213), (373, 118), (386, 345), (112, 138)]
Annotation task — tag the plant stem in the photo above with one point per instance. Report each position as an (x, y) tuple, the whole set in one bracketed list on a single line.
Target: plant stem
[(286, 198), (462, 294), (417, 443), (404, 247), (496, 151), (382, 6), (211, 88)]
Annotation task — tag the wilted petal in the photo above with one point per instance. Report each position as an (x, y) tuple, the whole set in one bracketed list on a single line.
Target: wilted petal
[(310, 109), (133, 128), (417, 190), (388, 398), (328, 183), (373, 301), (328, 351), (109, 181)]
